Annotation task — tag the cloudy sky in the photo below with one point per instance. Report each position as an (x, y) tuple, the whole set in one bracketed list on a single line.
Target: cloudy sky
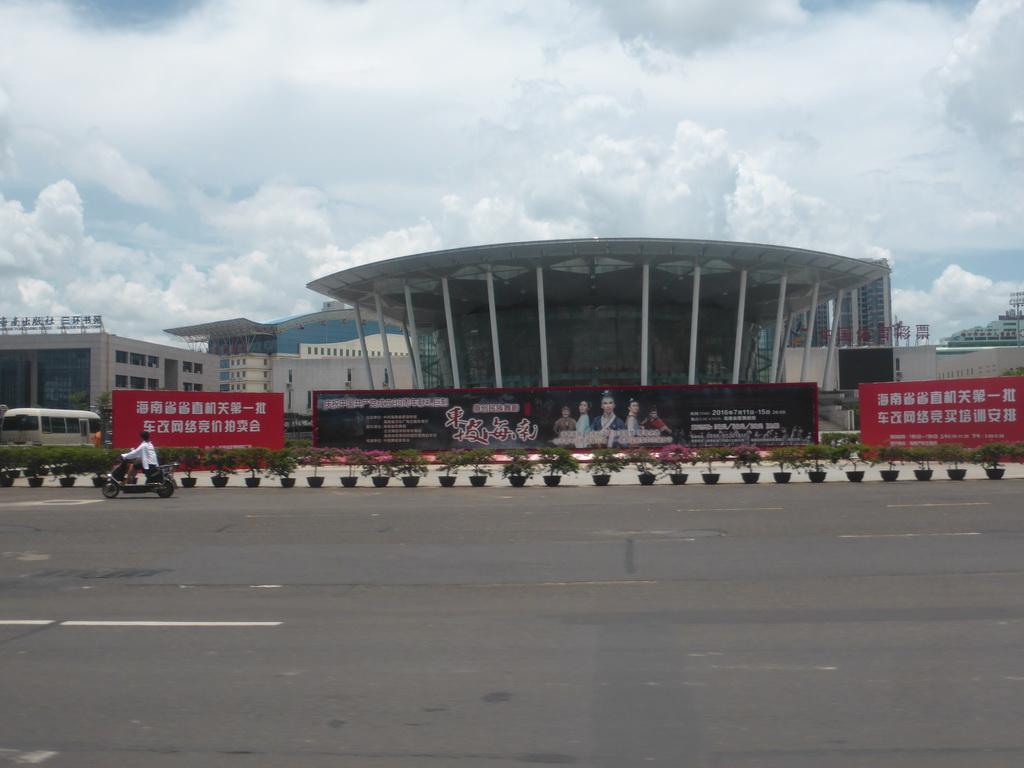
[(171, 162)]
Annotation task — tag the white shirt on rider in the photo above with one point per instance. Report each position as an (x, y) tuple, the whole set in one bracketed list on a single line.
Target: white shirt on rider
[(146, 453)]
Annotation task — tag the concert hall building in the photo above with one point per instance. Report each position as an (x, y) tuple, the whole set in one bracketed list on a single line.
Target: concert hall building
[(604, 311)]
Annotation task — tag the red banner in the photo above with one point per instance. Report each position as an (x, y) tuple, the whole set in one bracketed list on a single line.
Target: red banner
[(203, 419), (972, 412)]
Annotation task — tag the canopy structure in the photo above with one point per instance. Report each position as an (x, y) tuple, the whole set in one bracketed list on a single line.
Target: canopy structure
[(593, 311)]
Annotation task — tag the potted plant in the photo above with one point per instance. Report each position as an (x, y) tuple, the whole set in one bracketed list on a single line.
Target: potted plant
[(223, 462), (190, 459), (817, 457), (923, 455), (709, 455), (312, 456), (67, 462), (891, 455), (991, 457), (379, 467), (450, 462), (785, 457), (410, 465), (644, 462), (99, 462), (354, 460), (672, 458), (954, 454), (519, 467), (555, 463), (850, 456), (745, 458), (7, 464), (35, 461), (604, 462), (478, 459), (281, 463), (254, 459)]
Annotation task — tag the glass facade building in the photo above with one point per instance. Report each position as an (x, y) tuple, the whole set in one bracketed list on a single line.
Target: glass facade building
[(598, 311)]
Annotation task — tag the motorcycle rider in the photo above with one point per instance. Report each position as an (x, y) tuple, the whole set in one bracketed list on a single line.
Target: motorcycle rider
[(143, 456)]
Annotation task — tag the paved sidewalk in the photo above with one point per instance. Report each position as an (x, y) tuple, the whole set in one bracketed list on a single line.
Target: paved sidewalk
[(728, 475)]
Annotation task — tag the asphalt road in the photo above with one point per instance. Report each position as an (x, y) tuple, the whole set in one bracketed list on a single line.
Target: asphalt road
[(800, 626)]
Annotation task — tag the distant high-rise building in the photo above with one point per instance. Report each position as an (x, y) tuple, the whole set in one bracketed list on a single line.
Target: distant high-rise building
[(865, 317)]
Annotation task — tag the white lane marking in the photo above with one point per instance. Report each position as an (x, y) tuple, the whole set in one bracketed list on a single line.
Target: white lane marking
[(45, 622), (22, 622), (171, 623), (34, 758), (17, 756), (950, 504), (50, 503), (902, 535)]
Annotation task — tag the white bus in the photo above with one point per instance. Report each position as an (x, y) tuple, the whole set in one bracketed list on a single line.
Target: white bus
[(48, 426)]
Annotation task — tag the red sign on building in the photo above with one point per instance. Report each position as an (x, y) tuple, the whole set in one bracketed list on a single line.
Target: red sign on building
[(967, 411), (202, 419)]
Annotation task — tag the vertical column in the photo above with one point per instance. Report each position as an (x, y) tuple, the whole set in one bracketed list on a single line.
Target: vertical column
[(495, 346), (826, 377), (362, 345), (855, 317), (781, 377), (456, 380), (645, 321), (694, 315), (542, 321), (810, 330), (415, 351), (779, 344), (408, 351), (741, 310), (384, 340)]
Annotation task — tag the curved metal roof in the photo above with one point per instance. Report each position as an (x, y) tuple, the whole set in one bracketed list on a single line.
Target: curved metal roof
[(596, 271), (243, 327)]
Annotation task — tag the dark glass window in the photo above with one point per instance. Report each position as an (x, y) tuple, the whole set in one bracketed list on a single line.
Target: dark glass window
[(61, 373)]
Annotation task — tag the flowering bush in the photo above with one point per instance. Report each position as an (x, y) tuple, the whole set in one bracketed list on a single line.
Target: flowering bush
[(745, 457), (672, 458), (642, 459), (353, 459), (379, 464)]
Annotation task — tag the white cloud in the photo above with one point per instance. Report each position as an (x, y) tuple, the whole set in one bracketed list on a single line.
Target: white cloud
[(6, 153), (954, 301), (95, 159), (980, 79), (211, 165), (690, 26)]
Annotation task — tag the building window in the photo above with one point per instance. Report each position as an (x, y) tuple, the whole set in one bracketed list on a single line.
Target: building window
[(120, 381), (197, 387), (137, 382), (186, 366), (137, 358), (153, 361), (120, 356), (198, 367), (186, 386), (152, 384)]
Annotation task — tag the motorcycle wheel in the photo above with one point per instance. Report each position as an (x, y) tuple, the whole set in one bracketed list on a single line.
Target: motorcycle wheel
[(111, 489), (166, 489)]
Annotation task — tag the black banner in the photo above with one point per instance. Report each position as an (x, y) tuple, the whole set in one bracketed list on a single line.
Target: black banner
[(579, 418)]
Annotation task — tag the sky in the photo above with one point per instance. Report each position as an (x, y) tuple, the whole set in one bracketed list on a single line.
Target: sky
[(174, 162)]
